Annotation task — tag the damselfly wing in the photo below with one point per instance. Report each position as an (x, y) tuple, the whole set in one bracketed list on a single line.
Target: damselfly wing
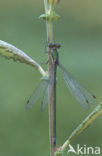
[(81, 94), (38, 92), (45, 99)]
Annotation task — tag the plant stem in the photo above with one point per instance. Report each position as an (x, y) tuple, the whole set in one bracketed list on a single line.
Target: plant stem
[(50, 16), (52, 87), (52, 92)]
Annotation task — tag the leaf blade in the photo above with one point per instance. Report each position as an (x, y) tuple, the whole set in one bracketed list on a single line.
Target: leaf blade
[(11, 52)]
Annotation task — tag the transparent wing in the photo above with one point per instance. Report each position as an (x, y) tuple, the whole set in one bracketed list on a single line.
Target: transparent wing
[(37, 94), (45, 99), (81, 94)]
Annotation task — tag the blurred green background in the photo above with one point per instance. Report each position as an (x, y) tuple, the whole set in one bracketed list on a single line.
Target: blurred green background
[(79, 31)]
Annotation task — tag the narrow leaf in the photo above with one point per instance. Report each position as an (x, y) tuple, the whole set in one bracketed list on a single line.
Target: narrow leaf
[(11, 52)]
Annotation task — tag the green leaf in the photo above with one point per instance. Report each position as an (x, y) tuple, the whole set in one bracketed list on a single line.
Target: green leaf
[(11, 52)]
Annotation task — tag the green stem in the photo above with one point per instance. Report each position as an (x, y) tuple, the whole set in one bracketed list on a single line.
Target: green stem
[(51, 90), (50, 16)]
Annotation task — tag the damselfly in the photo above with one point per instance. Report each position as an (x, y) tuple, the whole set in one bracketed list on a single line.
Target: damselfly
[(81, 94)]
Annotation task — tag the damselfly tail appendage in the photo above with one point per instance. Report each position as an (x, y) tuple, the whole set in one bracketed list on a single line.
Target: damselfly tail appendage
[(81, 94)]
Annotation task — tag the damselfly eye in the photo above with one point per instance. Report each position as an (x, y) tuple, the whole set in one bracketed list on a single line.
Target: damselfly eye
[(51, 45), (58, 45), (54, 45)]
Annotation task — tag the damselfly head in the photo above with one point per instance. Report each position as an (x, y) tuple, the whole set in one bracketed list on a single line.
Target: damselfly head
[(54, 45)]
